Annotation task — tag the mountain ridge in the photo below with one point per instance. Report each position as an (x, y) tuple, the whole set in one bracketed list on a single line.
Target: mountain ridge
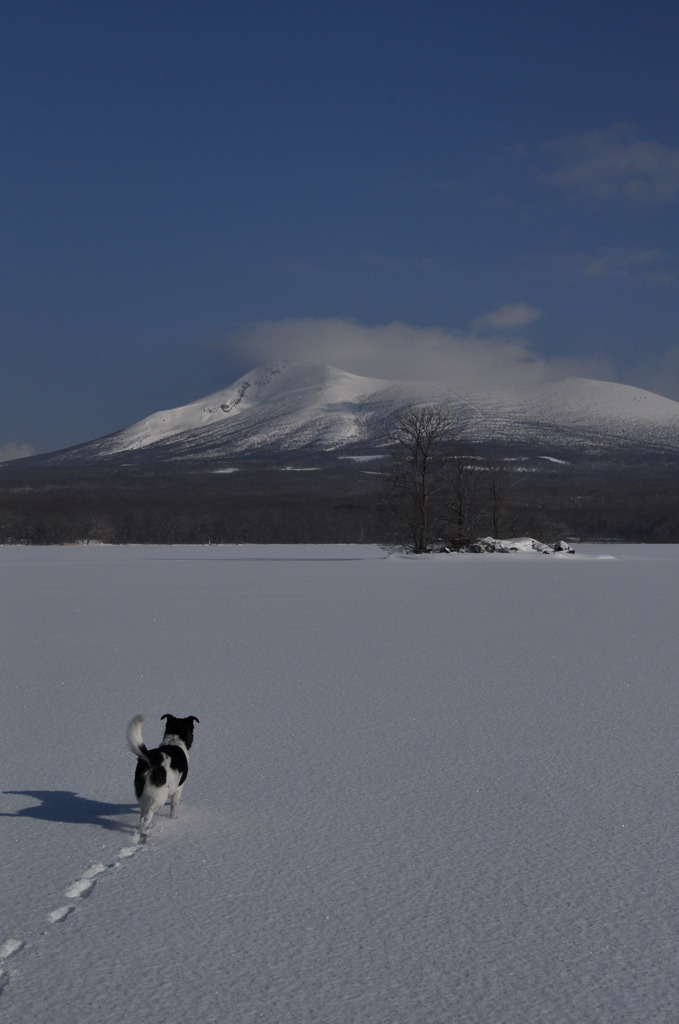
[(286, 407)]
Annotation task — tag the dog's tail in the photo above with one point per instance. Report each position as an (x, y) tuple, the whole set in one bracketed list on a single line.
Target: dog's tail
[(134, 738)]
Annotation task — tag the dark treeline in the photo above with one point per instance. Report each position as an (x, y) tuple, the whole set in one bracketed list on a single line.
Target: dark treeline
[(250, 506), (342, 503)]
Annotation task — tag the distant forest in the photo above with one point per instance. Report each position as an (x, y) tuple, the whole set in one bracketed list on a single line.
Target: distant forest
[(344, 502)]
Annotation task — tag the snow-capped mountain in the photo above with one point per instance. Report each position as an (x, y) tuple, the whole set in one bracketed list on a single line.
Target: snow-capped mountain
[(288, 407)]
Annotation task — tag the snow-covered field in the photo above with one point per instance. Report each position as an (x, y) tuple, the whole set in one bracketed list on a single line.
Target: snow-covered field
[(436, 789)]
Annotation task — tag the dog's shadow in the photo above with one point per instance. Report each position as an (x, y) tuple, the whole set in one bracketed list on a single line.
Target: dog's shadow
[(62, 805)]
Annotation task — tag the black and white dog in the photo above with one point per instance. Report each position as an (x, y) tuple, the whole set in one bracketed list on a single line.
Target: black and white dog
[(160, 773)]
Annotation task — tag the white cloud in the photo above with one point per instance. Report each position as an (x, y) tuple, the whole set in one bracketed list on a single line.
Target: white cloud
[(11, 451), (507, 318), (615, 164), (640, 265), (399, 351)]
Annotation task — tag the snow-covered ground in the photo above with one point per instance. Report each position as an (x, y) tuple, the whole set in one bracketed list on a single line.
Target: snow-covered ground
[(436, 789)]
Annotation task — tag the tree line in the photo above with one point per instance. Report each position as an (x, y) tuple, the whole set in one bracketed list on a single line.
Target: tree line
[(428, 488)]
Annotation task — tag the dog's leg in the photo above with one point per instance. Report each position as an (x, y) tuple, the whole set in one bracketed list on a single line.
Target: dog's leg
[(145, 819), (174, 801), (144, 826), (149, 804)]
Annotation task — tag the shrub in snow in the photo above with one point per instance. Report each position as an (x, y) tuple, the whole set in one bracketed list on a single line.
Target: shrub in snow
[(488, 545)]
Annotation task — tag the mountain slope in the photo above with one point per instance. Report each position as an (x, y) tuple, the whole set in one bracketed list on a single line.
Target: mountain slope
[(287, 407)]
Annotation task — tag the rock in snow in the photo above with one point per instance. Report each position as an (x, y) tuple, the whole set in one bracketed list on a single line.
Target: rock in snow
[(487, 545)]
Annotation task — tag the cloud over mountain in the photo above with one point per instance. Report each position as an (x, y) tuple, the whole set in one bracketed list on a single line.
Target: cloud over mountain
[(405, 352), (11, 451)]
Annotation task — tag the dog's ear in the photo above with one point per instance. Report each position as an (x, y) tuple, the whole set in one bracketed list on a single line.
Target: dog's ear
[(165, 716), (192, 718)]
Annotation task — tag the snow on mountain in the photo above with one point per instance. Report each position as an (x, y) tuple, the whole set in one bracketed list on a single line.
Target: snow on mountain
[(285, 404), (576, 412), (288, 406), (280, 401)]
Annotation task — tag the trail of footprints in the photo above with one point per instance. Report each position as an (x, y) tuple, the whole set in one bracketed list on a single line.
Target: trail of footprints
[(8, 948), (79, 890)]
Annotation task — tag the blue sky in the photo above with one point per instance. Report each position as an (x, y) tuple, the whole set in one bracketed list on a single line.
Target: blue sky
[(477, 191)]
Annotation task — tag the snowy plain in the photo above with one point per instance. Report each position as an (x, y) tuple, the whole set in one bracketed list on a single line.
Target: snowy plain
[(434, 789)]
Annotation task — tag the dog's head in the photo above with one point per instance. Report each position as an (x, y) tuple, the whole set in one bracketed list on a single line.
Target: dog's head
[(180, 727)]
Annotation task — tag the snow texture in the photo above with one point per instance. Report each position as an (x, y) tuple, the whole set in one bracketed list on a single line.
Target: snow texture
[(287, 406), (423, 789)]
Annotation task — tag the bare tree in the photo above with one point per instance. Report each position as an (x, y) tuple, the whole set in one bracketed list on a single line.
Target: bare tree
[(463, 495), (422, 441), (501, 479)]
